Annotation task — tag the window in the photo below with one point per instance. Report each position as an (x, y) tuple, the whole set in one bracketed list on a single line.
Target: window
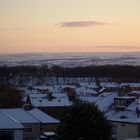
[(117, 103), (120, 102), (123, 102)]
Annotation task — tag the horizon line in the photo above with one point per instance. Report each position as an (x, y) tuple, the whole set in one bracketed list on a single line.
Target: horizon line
[(53, 52)]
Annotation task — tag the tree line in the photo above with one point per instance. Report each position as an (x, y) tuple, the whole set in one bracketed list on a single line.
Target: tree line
[(43, 72)]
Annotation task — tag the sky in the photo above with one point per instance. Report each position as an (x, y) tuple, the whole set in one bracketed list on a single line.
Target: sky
[(69, 26)]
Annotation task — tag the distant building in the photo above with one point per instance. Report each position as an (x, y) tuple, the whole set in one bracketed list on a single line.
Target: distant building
[(51, 104)]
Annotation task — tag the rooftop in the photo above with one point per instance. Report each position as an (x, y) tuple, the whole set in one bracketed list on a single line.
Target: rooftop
[(7, 122), (19, 115), (42, 117)]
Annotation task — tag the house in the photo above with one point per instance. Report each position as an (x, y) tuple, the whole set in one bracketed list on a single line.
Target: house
[(31, 125), (126, 121), (52, 104), (47, 123), (122, 111), (126, 124), (110, 86), (10, 129), (85, 91), (133, 86), (120, 103), (104, 101)]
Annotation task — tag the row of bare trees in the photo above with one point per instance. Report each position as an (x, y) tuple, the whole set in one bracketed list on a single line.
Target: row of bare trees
[(38, 74)]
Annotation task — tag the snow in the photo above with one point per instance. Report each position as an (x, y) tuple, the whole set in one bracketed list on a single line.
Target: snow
[(20, 115), (117, 116), (106, 101), (132, 139), (102, 89), (89, 85), (130, 84), (110, 84), (90, 99), (43, 137), (128, 115), (85, 92), (6, 122), (49, 133), (42, 117), (55, 88), (123, 116), (103, 101), (135, 92), (125, 97)]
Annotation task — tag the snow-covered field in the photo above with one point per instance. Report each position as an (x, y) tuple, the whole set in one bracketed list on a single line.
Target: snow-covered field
[(70, 59)]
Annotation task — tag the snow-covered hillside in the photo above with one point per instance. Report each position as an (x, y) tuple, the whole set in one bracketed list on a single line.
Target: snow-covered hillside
[(70, 59)]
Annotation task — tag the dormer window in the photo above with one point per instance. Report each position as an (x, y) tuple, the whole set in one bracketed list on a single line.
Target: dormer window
[(121, 103)]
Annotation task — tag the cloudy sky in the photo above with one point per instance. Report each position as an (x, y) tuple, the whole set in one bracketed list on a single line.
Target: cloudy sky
[(69, 26)]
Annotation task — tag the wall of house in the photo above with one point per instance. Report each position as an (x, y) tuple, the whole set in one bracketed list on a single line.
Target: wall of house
[(34, 134), (18, 135), (125, 130), (55, 112), (49, 127)]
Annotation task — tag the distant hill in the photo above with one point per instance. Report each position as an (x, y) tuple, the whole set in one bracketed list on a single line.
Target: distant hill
[(70, 59)]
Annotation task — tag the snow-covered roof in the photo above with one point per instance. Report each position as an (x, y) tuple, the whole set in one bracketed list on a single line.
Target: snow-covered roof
[(85, 91), (103, 101), (135, 92), (132, 106), (7, 122), (132, 139), (106, 101), (42, 117), (110, 84), (123, 116), (130, 84), (125, 97), (19, 115), (89, 99), (128, 115), (41, 100), (89, 85), (55, 88), (102, 89)]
